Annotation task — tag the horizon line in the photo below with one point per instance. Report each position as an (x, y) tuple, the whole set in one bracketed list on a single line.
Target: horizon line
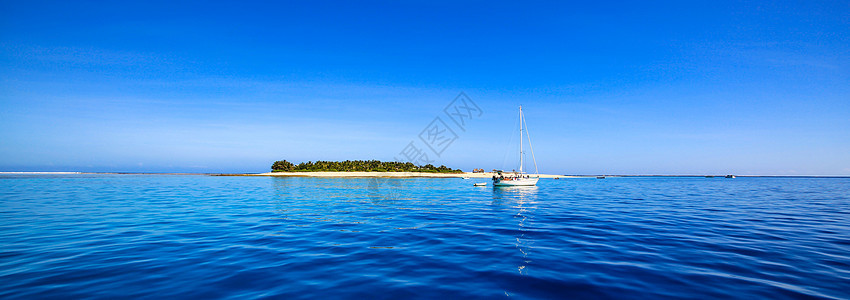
[(249, 173)]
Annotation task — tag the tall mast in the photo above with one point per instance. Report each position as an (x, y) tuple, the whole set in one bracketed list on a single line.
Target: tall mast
[(520, 139), (530, 147)]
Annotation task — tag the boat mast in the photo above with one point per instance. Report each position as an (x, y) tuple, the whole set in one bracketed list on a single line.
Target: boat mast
[(536, 171), (520, 139)]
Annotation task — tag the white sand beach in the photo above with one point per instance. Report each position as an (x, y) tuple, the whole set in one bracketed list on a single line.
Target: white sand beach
[(391, 174)]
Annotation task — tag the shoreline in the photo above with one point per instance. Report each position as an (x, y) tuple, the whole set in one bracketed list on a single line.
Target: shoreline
[(487, 175), (404, 174)]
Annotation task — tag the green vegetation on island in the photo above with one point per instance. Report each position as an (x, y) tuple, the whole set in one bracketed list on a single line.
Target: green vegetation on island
[(358, 166)]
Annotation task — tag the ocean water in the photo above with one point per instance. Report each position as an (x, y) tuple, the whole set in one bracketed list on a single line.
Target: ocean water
[(167, 236)]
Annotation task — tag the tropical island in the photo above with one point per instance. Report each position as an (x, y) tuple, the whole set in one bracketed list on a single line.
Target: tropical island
[(359, 166), (368, 168)]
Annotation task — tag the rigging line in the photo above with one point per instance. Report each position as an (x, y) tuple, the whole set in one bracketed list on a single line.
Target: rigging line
[(530, 147), (508, 148)]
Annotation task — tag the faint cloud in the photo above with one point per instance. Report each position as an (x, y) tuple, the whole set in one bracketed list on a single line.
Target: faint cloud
[(80, 55), (787, 59), (772, 55)]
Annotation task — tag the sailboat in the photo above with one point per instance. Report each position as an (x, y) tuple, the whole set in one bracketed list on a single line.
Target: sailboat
[(519, 178)]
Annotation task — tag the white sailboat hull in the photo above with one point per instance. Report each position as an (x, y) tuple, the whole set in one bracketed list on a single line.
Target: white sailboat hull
[(516, 182)]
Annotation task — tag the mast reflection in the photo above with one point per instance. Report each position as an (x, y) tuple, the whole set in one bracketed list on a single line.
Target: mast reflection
[(522, 199)]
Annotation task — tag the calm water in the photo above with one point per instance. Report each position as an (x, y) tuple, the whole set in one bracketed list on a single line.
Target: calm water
[(155, 236)]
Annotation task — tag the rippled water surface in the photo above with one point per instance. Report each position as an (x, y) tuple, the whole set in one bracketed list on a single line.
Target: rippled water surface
[(156, 236)]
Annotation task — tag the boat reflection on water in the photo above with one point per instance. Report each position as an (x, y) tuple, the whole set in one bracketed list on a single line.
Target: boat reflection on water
[(516, 193), (523, 200)]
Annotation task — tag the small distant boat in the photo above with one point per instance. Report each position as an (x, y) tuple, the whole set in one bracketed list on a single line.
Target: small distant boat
[(600, 177), (730, 176), (464, 177), (480, 184), (519, 178)]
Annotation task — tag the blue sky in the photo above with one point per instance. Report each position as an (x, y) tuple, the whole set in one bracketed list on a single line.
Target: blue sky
[(675, 87)]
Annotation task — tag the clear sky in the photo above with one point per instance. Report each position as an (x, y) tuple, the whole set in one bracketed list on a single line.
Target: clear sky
[(678, 87)]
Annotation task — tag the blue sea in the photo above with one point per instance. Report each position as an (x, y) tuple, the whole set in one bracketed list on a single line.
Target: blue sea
[(208, 237)]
